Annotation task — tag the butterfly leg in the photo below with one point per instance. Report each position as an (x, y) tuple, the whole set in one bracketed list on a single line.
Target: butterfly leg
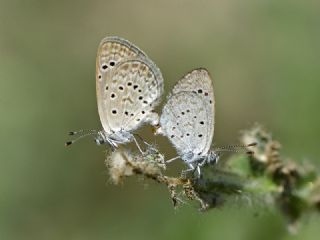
[(147, 145), (190, 169), (202, 162), (144, 142), (199, 165), (198, 170), (137, 144), (172, 159), (113, 145)]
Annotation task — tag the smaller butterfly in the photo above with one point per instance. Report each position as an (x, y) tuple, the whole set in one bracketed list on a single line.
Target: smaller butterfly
[(129, 86), (187, 119)]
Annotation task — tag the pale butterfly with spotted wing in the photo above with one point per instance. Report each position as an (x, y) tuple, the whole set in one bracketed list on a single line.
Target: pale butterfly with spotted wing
[(187, 120), (129, 86)]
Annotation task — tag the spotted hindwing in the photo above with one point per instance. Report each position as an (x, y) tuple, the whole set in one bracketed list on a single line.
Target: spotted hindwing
[(185, 121), (199, 82), (129, 86)]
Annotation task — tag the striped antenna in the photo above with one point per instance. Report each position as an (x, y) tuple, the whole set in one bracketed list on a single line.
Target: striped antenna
[(236, 148), (81, 134)]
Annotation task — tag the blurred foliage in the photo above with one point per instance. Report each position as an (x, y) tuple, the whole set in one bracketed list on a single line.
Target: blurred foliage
[(261, 174), (263, 55)]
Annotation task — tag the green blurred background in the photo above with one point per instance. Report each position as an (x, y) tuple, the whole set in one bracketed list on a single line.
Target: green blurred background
[(263, 55)]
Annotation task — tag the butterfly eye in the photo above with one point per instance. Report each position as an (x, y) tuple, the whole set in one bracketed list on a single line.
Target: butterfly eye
[(112, 63)]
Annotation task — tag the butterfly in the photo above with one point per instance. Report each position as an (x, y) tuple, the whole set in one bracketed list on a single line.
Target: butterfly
[(187, 120), (129, 86)]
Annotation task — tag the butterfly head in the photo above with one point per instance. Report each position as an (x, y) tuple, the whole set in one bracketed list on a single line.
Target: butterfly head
[(101, 138), (213, 157)]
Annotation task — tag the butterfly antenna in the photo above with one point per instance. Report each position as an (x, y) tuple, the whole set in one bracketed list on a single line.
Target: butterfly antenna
[(237, 148), (81, 133)]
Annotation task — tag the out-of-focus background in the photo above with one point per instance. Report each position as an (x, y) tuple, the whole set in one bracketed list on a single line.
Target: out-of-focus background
[(264, 58)]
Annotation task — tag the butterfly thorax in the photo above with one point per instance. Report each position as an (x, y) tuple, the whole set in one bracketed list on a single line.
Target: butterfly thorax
[(191, 157), (113, 139)]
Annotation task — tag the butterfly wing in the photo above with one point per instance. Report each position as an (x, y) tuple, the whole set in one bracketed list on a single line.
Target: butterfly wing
[(135, 89), (185, 121), (199, 82), (124, 75)]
